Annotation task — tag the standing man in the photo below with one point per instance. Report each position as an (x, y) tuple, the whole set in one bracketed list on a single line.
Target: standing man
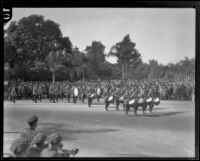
[(13, 94), (40, 92), (35, 93)]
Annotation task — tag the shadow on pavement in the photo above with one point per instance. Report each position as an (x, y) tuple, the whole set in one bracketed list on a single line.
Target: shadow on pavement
[(68, 134), (157, 114), (133, 155)]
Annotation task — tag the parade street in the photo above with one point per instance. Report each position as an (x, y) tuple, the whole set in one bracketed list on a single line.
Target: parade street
[(167, 132)]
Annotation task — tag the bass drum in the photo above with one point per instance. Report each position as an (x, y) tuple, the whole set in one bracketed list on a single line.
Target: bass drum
[(140, 101), (110, 98), (131, 102), (149, 100), (92, 95), (156, 101), (76, 92), (99, 91), (121, 98)]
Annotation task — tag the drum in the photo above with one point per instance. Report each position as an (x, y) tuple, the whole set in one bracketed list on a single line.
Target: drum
[(149, 100), (98, 91), (121, 98), (110, 98), (156, 101), (76, 92), (131, 102), (141, 100), (92, 95)]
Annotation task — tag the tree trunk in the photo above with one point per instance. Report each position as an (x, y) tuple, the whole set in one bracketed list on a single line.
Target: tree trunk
[(126, 70), (122, 70), (83, 76), (53, 75)]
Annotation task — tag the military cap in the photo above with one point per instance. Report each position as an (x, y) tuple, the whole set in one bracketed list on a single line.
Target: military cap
[(19, 145), (54, 139), (32, 119), (39, 138)]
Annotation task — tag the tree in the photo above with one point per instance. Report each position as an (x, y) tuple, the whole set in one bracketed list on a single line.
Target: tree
[(75, 65), (61, 50), (126, 54), (32, 38), (95, 55), (37, 42)]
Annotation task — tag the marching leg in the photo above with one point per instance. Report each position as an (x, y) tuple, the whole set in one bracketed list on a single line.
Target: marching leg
[(135, 110), (117, 105)]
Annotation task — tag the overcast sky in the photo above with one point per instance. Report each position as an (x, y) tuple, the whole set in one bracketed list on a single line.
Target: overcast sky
[(167, 35)]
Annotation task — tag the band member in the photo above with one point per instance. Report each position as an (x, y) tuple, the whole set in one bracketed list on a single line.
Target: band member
[(99, 93), (13, 94), (68, 93), (40, 92), (75, 95), (83, 95), (52, 92), (35, 93)]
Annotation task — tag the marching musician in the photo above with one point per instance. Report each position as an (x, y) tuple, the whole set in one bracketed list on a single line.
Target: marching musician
[(13, 94)]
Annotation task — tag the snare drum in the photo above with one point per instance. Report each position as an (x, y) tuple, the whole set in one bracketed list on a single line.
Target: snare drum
[(121, 98), (131, 102), (149, 100), (141, 100), (76, 92), (98, 91), (110, 98), (92, 95)]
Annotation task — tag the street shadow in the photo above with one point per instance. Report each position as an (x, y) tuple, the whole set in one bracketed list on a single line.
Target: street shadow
[(97, 105), (49, 128), (157, 114), (68, 133), (135, 155)]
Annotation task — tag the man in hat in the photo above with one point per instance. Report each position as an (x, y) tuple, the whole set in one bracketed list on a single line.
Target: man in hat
[(37, 145), (35, 93), (13, 94), (19, 147), (30, 132), (54, 148), (54, 144)]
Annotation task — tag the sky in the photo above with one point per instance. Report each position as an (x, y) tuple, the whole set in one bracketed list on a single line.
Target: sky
[(164, 34)]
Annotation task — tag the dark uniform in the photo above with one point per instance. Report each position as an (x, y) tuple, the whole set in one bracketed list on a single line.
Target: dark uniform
[(37, 145), (68, 93), (52, 151), (19, 147), (40, 92), (13, 94), (30, 132), (35, 93)]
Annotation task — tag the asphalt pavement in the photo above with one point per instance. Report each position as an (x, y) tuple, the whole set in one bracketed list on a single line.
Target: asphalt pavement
[(167, 132)]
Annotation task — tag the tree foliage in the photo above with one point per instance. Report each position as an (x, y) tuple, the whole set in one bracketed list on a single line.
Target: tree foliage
[(95, 55), (35, 49), (126, 54), (32, 37)]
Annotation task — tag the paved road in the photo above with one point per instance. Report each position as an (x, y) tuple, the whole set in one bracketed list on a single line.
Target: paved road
[(168, 132)]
